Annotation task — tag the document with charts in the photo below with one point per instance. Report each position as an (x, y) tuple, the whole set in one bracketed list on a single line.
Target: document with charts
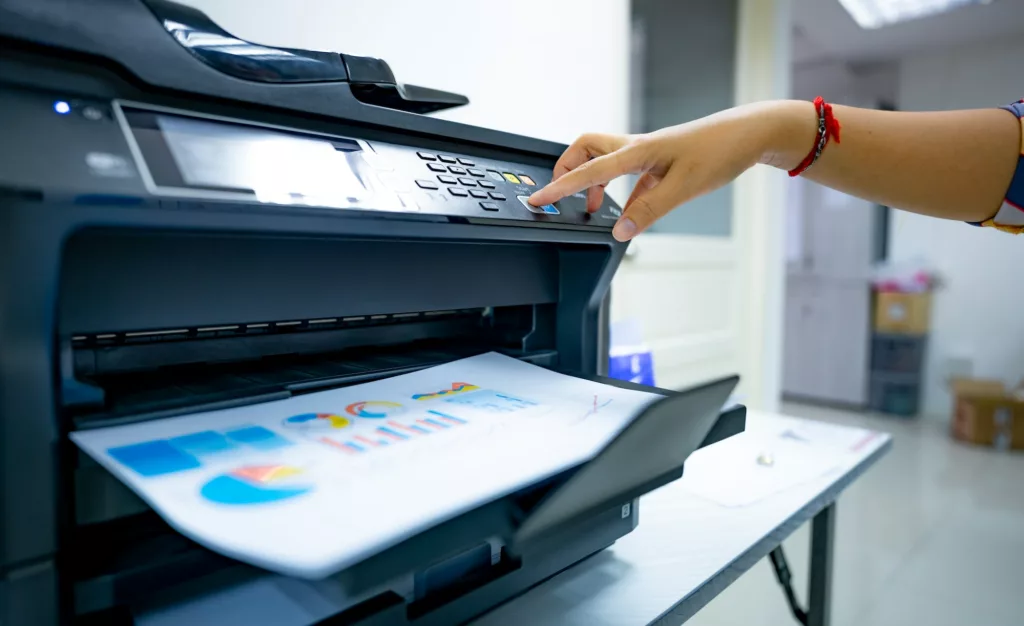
[(312, 484)]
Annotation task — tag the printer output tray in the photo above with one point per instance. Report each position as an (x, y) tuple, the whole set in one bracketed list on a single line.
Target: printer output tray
[(463, 567)]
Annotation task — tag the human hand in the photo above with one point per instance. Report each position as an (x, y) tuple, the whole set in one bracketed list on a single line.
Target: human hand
[(675, 164)]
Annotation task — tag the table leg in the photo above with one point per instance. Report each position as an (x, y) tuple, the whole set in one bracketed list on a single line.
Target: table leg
[(819, 600)]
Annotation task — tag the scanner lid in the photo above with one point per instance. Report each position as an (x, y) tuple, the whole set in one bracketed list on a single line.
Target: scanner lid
[(370, 79)]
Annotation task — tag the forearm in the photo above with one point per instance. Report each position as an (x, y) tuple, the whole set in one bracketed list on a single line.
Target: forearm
[(954, 165)]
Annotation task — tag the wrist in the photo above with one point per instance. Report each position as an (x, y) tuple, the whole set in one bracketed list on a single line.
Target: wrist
[(790, 128)]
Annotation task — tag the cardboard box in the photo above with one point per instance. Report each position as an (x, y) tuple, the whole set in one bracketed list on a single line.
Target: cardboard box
[(903, 313), (985, 412)]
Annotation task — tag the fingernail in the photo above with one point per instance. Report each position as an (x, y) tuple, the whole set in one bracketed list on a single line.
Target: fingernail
[(624, 230)]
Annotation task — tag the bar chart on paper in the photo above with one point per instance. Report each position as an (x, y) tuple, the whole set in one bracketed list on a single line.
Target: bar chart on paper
[(394, 431), (490, 401)]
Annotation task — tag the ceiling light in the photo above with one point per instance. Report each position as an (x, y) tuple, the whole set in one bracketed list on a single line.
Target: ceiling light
[(878, 13)]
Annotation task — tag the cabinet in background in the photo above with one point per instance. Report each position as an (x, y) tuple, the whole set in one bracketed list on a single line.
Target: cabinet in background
[(833, 243), (826, 343)]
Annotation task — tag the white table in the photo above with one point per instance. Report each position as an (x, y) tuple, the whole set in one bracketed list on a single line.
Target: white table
[(686, 549)]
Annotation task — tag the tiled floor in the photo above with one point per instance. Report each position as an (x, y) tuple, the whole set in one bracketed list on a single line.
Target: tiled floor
[(932, 534)]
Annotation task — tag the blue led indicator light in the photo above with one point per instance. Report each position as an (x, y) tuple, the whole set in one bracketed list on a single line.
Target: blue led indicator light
[(61, 107)]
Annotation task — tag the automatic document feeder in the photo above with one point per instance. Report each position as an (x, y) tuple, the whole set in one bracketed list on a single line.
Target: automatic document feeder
[(193, 222)]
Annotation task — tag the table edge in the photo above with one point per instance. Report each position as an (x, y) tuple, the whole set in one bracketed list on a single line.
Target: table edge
[(698, 598)]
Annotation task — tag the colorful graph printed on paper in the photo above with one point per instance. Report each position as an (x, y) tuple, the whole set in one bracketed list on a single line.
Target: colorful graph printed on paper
[(395, 431), (256, 484), (317, 421), (456, 389), (491, 401), (375, 409), (177, 454)]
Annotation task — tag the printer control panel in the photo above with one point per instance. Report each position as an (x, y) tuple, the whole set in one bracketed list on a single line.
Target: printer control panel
[(142, 154), (462, 176), (196, 157), (434, 180)]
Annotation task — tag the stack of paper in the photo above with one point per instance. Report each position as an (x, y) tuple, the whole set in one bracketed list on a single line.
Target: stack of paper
[(309, 485)]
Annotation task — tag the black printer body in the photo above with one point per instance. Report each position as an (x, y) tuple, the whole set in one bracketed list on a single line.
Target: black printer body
[(191, 221)]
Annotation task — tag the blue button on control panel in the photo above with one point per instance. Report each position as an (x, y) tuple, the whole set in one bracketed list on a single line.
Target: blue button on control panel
[(547, 209)]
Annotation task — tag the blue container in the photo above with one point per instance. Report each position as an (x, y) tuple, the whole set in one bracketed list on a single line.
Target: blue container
[(635, 368), (895, 394), (629, 358)]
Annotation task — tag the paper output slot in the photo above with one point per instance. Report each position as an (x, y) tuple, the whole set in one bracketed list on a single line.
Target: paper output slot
[(161, 374), (157, 333), (213, 329), (288, 324), (177, 391)]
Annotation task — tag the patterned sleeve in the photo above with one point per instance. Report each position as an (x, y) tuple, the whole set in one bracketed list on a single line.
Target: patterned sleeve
[(1010, 217)]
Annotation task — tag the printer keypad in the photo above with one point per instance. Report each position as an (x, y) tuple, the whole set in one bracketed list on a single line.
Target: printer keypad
[(471, 181)]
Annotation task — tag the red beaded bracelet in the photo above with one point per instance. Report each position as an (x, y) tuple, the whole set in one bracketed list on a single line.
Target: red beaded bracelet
[(828, 127)]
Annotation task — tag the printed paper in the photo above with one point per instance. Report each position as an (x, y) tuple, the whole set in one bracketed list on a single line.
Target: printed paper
[(309, 485)]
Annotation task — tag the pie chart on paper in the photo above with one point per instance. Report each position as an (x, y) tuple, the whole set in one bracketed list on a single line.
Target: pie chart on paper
[(317, 421), (375, 409), (256, 484)]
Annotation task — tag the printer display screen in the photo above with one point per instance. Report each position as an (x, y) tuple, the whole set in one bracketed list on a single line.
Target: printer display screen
[(275, 166)]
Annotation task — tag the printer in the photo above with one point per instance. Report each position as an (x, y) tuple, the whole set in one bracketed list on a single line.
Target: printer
[(190, 221)]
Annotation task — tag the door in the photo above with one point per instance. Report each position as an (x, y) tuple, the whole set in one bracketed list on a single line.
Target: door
[(683, 290), (706, 283)]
